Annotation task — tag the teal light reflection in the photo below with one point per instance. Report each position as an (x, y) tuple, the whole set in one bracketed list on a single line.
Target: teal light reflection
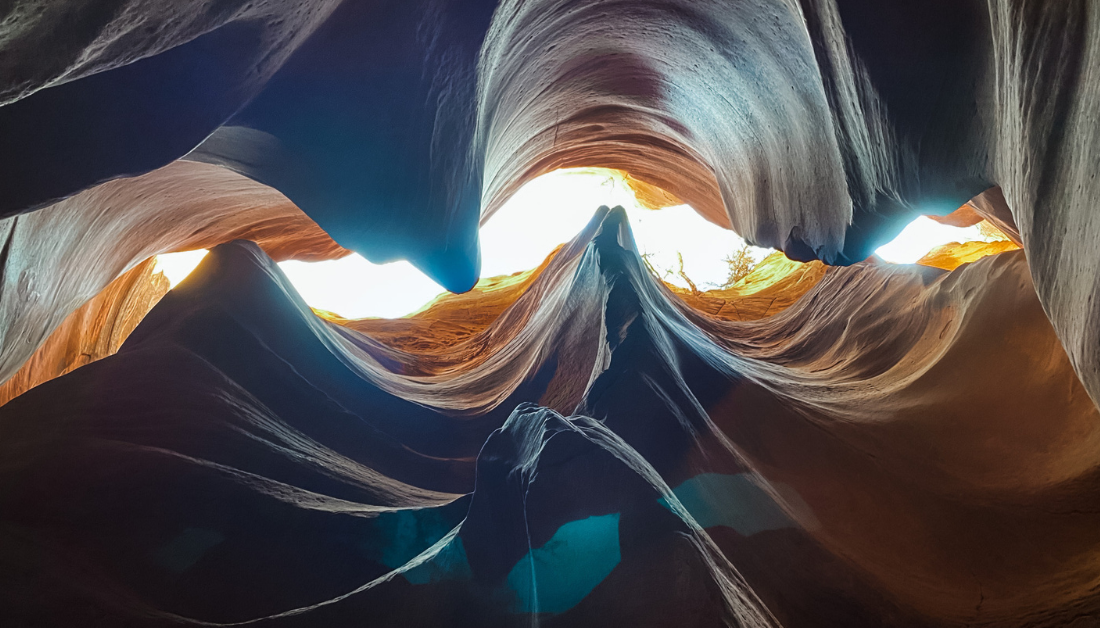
[(733, 501), (555, 577)]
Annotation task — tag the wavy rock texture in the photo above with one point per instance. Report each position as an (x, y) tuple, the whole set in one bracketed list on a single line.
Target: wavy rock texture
[(818, 127), (989, 206), (127, 87), (951, 256), (94, 331), (898, 446), (853, 460), (54, 260)]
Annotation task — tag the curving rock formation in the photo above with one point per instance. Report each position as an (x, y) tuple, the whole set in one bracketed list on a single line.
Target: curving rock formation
[(951, 256), (127, 87), (989, 206), (94, 331), (853, 460), (818, 127), (54, 260), (872, 445)]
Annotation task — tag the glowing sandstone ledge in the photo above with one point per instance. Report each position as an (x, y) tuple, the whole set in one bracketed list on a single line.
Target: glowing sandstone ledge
[(951, 256), (94, 331)]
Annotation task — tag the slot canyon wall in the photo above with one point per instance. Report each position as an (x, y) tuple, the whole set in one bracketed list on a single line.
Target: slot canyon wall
[(833, 441)]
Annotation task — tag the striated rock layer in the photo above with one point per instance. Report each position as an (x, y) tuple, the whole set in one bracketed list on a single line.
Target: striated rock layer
[(55, 260), (581, 445), (94, 331), (819, 127), (902, 446)]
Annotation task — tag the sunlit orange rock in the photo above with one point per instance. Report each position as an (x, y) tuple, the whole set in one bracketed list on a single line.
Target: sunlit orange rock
[(989, 206), (56, 259), (773, 286), (650, 196), (449, 318), (964, 216), (951, 256), (95, 330)]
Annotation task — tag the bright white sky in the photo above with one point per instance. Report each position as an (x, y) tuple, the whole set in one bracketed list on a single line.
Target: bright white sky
[(921, 236), (545, 213)]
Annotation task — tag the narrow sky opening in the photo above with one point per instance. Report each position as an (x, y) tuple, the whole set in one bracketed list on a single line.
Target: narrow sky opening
[(177, 266), (546, 212), (924, 234)]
